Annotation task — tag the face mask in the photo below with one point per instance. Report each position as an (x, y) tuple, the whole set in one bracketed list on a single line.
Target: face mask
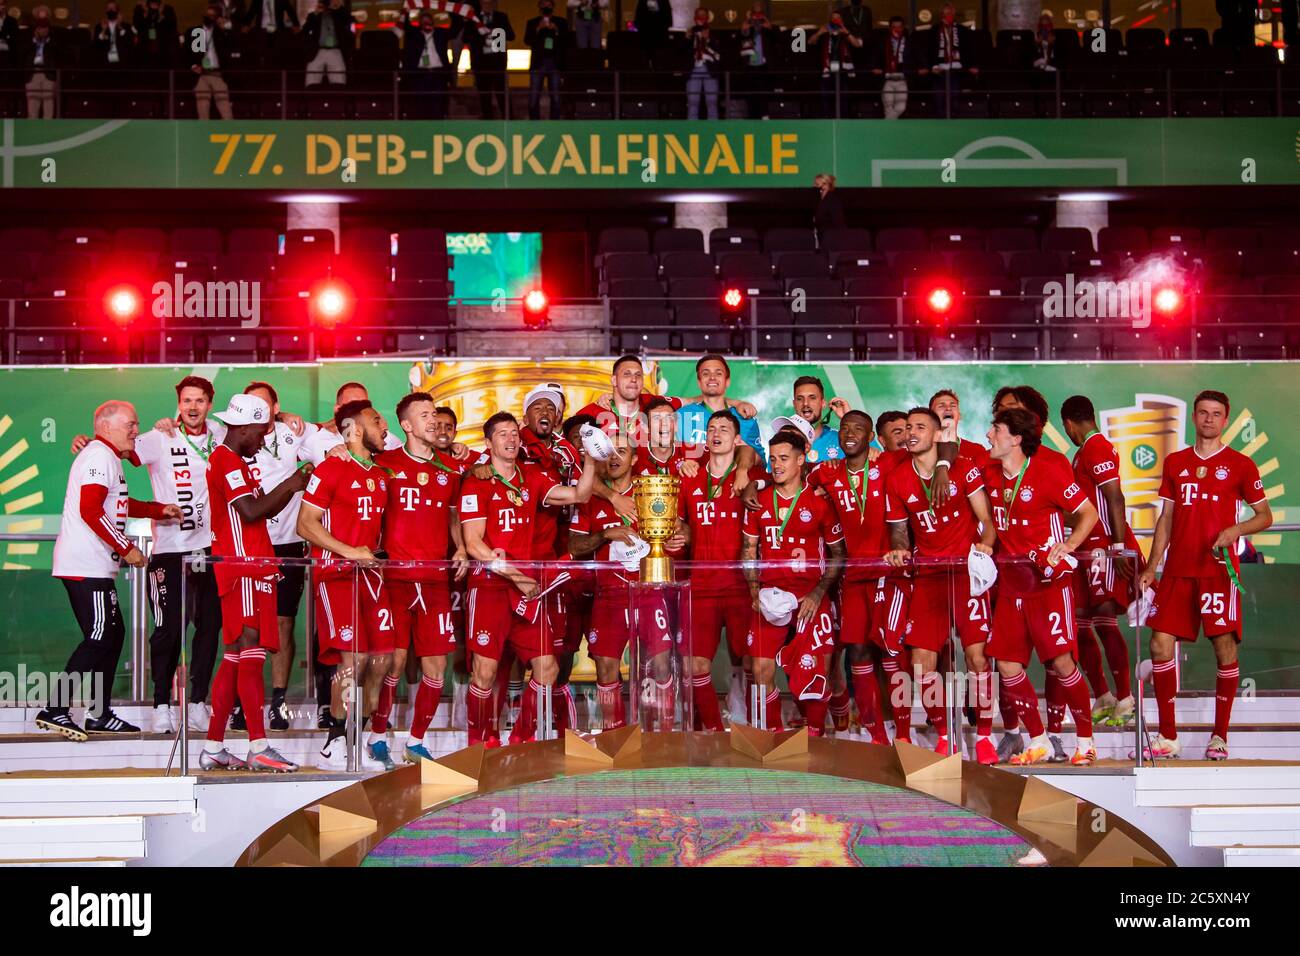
[(208, 21), (111, 15)]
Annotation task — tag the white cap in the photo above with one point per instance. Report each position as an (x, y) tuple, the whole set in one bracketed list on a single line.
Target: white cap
[(777, 606), (245, 410), (800, 424), (549, 391)]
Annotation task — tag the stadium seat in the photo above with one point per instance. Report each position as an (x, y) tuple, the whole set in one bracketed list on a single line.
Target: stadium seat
[(1012, 239), (1079, 343), (682, 265), (902, 239), (744, 265), (630, 265), (850, 265), (957, 239), (677, 240), (1128, 240), (782, 239), (828, 345), (801, 264), (837, 241), (1067, 239), (733, 240)]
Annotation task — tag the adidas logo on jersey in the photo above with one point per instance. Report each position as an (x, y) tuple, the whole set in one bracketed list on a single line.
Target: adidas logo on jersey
[(1061, 641), (1220, 623), (911, 499), (401, 476), (356, 484), (698, 491), (1183, 474)]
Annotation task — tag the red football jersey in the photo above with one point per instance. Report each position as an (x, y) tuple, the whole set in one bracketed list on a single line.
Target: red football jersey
[(974, 452), (353, 497), (716, 517), (592, 518), (811, 526), (1096, 463), (1206, 493), (417, 519), (551, 523), (946, 532), (858, 500), (510, 514), (634, 427), (1036, 515), (229, 480)]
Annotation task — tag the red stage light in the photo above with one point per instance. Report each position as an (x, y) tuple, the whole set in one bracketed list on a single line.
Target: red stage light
[(331, 302), (1168, 301), (940, 300), (536, 309), (122, 304), (733, 305)]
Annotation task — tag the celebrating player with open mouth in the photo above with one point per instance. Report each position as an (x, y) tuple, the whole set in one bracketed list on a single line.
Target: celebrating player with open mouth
[(1035, 603)]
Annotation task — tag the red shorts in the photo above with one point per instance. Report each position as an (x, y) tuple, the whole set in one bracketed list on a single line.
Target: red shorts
[(705, 616), (816, 636), (1096, 582), (936, 603), (250, 603), (857, 599), (889, 613), (1042, 622), (577, 619), (422, 617), (353, 616), (613, 620), (459, 596), (1184, 607), (494, 624)]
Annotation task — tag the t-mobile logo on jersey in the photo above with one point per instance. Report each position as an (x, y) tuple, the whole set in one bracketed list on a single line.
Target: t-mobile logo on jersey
[(927, 520), (75, 909), (365, 508), (410, 497), (508, 519)]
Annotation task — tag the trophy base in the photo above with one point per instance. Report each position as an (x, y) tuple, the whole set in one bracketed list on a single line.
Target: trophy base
[(657, 569)]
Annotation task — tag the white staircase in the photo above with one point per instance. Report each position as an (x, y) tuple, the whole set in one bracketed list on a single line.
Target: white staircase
[(1251, 813), (94, 820)]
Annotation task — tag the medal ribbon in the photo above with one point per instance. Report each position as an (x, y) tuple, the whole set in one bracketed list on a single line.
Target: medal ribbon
[(1232, 570), (859, 495), (502, 478), (776, 510), (627, 522), (201, 452), (714, 491), (1014, 491)]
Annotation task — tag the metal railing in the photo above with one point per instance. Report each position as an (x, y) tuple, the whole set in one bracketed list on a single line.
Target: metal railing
[(75, 330), (1122, 89)]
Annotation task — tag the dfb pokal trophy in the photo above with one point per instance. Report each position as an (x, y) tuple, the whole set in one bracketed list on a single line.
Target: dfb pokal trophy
[(657, 691)]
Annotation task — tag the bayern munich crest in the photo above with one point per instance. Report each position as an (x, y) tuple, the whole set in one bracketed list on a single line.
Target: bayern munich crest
[(1026, 495), (873, 474), (805, 515), (345, 634), (442, 478), (482, 637), (1221, 473)]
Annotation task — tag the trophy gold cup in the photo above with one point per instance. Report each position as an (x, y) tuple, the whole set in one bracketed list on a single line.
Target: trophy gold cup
[(656, 515)]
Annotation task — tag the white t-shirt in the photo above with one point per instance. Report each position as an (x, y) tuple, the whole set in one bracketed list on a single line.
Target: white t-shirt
[(178, 471), (78, 551), (276, 462)]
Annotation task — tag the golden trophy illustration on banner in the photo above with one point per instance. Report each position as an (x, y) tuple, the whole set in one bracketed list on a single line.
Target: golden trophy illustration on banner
[(656, 517), (1144, 435)]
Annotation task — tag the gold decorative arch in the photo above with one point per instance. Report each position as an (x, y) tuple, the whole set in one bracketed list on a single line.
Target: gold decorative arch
[(343, 828)]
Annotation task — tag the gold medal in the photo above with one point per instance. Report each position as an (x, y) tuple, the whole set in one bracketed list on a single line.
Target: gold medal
[(514, 498), (1006, 494), (782, 514), (370, 484)]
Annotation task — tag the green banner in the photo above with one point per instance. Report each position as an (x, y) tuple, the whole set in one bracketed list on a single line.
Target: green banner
[(346, 156), (1145, 408)]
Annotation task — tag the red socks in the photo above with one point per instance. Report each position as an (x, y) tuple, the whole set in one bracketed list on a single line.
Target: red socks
[(1225, 689), (900, 698), (839, 707), (252, 689), (1090, 656), (610, 698), (1112, 641), (931, 687), (427, 696), (772, 711), (1076, 695), (867, 694), (1056, 701), (384, 709), (814, 714), (984, 703), (1021, 694), (666, 697), (223, 695), (1165, 677), (480, 714), (705, 699), (566, 711)]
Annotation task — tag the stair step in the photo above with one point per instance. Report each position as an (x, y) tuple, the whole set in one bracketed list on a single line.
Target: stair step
[(72, 838)]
